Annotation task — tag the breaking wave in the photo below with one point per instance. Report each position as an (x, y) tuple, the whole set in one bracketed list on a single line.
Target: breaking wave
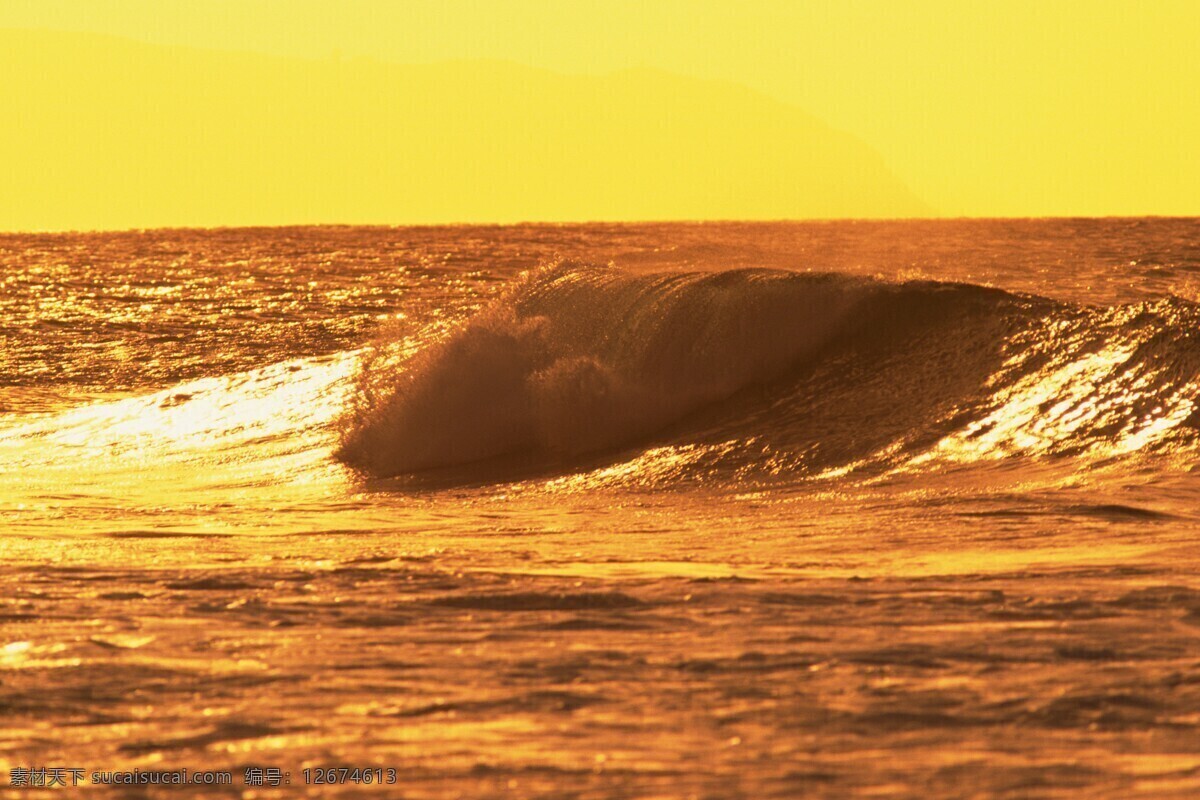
[(801, 372)]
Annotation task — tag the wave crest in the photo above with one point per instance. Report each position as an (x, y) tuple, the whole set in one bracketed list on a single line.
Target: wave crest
[(804, 373)]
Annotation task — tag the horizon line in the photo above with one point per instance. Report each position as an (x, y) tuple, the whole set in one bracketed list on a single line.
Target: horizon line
[(574, 223)]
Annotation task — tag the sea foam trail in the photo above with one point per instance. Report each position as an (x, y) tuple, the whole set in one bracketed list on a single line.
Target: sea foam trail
[(575, 359)]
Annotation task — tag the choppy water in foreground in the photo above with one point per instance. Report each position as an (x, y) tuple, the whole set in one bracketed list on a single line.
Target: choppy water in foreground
[(720, 510)]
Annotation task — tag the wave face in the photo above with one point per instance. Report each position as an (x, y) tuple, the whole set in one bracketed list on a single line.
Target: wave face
[(792, 373), (576, 359)]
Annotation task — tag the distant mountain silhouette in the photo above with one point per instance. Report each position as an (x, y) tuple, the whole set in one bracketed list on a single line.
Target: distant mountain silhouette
[(103, 132)]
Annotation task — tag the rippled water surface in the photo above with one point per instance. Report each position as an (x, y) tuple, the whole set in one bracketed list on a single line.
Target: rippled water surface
[(715, 510)]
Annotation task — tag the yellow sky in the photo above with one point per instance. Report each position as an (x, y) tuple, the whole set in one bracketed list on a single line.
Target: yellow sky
[(1003, 108)]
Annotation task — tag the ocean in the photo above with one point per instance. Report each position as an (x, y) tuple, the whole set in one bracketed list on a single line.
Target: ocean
[(677, 510)]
